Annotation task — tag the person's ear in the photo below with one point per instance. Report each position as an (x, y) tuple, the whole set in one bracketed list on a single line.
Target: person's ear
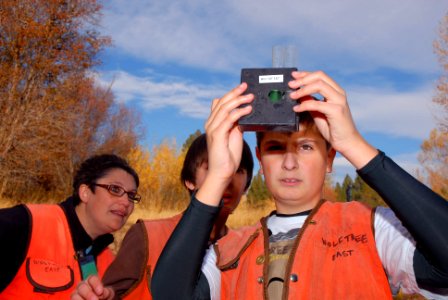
[(84, 192), (257, 153), (330, 158), (189, 185)]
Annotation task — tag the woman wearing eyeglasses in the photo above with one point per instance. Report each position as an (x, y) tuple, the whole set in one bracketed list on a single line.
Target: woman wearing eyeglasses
[(48, 249)]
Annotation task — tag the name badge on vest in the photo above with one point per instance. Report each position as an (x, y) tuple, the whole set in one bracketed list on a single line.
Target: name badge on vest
[(87, 263)]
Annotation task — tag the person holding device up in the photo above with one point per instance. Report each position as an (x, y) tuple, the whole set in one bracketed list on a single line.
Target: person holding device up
[(308, 248)]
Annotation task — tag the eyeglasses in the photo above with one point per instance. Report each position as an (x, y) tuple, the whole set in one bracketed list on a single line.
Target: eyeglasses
[(118, 191)]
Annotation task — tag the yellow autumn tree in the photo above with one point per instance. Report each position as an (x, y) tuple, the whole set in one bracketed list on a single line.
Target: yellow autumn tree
[(434, 157), (434, 154), (167, 192), (139, 159)]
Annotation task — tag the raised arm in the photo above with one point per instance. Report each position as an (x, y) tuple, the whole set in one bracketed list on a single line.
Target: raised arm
[(224, 143), (177, 274), (423, 212)]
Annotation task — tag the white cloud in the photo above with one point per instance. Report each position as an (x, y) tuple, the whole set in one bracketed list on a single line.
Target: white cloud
[(188, 99), (405, 114), (229, 34), (349, 35), (171, 31)]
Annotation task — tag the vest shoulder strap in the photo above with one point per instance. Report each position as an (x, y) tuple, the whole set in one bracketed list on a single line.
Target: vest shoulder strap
[(229, 248)]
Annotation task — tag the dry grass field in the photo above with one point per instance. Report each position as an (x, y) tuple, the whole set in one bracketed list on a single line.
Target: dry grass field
[(244, 215)]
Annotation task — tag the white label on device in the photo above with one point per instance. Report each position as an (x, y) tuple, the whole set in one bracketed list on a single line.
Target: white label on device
[(270, 78)]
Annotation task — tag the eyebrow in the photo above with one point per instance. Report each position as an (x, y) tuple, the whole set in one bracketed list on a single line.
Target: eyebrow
[(122, 186), (273, 141), (284, 140), (306, 140)]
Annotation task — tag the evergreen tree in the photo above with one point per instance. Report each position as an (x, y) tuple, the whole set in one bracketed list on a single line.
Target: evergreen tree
[(362, 192), (341, 191), (190, 140)]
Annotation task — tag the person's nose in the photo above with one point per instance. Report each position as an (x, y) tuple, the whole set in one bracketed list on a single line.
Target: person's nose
[(124, 200), (290, 161)]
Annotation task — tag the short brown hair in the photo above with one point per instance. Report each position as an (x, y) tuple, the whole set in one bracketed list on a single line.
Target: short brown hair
[(197, 154), (96, 167)]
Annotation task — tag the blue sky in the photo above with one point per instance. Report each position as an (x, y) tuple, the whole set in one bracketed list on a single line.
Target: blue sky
[(169, 59)]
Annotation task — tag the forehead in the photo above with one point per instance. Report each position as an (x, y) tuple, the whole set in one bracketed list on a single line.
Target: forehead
[(304, 132)]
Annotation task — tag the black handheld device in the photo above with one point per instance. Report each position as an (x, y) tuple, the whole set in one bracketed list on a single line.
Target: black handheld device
[(272, 106)]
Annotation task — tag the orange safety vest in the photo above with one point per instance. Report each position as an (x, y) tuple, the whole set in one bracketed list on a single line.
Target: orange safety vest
[(50, 270), (157, 232), (333, 257)]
